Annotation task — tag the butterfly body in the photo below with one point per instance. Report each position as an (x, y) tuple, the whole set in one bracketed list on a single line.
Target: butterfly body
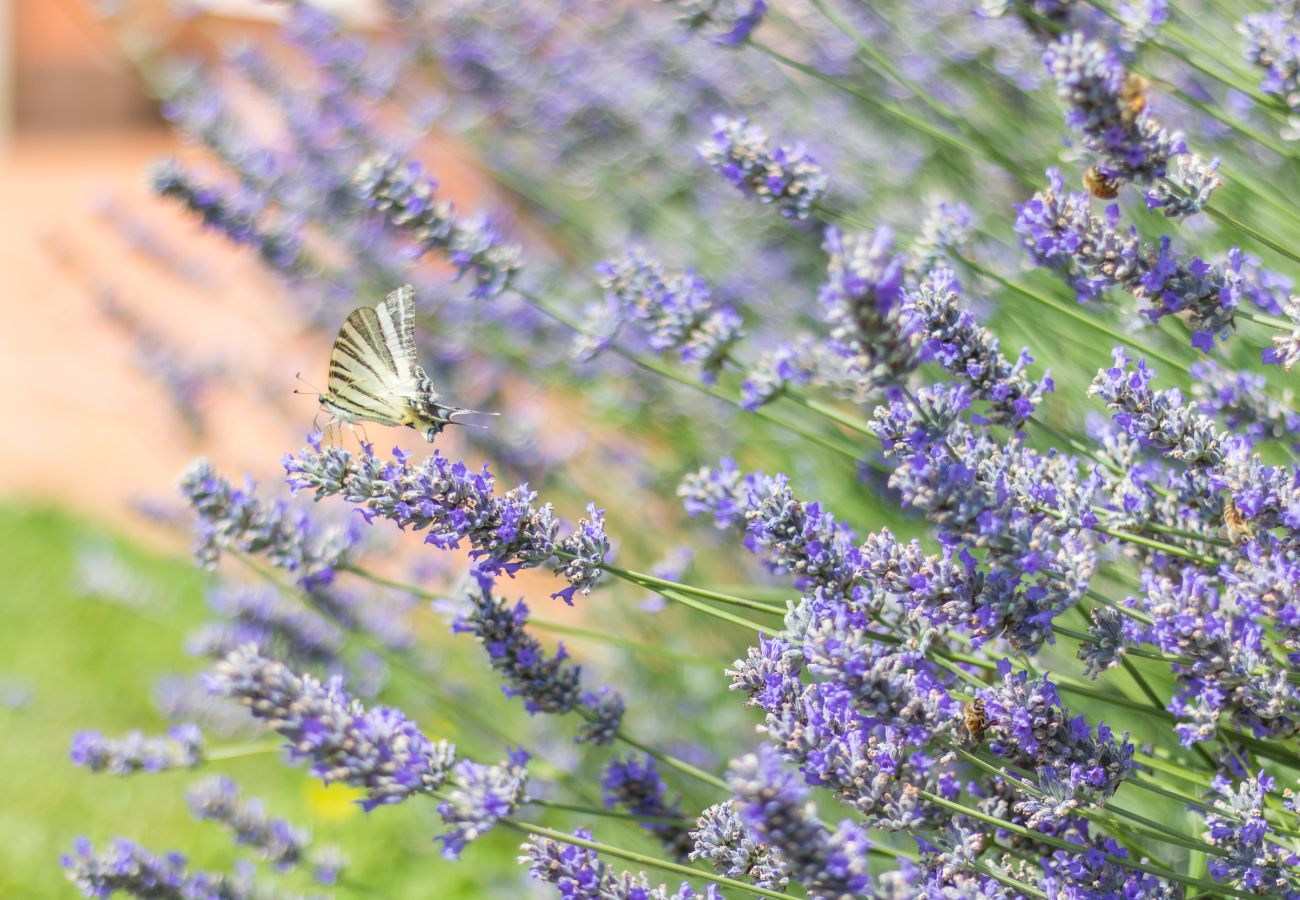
[(375, 374)]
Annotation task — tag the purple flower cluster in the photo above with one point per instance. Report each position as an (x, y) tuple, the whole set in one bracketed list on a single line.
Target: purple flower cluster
[(451, 503), (131, 869), (478, 797), (1238, 825), (862, 303), (1228, 668), (676, 312), (776, 805), (634, 784), (579, 874), (1285, 351), (378, 750), (277, 626), (1259, 496), (1030, 726), (547, 684), (955, 340), (723, 838), (726, 22), (1059, 230), (787, 177), (233, 518), (280, 249), (1240, 400), (182, 748), (1108, 106), (1028, 514), (1273, 44), (404, 196), (798, 538), (1157, 418), (803, 361), (217, 799)]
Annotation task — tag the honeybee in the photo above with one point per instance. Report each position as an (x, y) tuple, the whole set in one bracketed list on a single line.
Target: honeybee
[(1235, 525), (975, 720), (1133, 95), (1099, 185)]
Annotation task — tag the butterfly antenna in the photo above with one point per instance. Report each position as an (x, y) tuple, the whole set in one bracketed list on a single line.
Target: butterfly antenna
[(314, 390)]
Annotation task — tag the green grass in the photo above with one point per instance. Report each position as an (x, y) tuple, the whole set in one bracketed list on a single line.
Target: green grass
[(92, 663)]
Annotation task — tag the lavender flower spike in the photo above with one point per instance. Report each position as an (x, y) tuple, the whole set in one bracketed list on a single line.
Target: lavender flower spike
[(404, 195), (634, 783), (233, 518), (480, 796), (182, 748), (378, 750), (788, 177), (722, 837), (1108, 107), (131, 869), (579, 874), (676, 312), (862, 302), (281, 250), (217, 799), (775, 803), (546, 684), (970, 351), (727, 22), (451, 503)]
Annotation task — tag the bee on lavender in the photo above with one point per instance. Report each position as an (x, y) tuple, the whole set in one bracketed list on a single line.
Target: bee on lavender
[(976, 721), (1099, 185)]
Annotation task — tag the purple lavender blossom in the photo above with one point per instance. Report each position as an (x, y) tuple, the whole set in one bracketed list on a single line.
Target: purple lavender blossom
[(378, 750), (797, 538), (547, 684), (233, 518), (862, 302), (808, 359), (788, 177), (280, 249), (1240, 400), (726, 22), (1157, 418), (722, 837), (131, 869), (1285, 351), (264, 617), (970, 351), (579, 874), (1028, 724), (217, 799), (478, 797), (635, 784), (775, 804), (1059, 230), (1228, 668), (676, 312), (1239, 826), (1273, 44), (1088, 873), (1107, 105), (451, 503), (182, 748), (404, 196)]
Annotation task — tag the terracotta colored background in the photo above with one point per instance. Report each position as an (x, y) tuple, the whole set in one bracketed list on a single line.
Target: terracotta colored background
[(86, 426)]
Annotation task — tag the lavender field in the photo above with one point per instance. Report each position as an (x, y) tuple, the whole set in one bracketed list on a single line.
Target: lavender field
[(736, 448)]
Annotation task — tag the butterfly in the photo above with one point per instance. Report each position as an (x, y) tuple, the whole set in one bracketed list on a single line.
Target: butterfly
[(375, 371)]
